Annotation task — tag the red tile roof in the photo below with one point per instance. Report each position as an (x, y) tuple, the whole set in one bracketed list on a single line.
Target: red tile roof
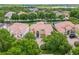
[(62, 26), (19, 29), (39, 26)]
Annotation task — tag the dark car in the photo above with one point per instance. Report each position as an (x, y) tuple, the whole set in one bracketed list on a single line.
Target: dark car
[(72, 35)]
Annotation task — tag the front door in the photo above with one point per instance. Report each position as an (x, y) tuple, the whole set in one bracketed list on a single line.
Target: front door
[(37, 34)]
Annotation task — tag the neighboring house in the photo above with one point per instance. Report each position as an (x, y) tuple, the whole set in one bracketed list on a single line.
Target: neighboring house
[(18, 29), (21, 12), (33, 9), (42, 28), (64, 27), (57, 13), (9, 14), (4, 25), (64, 13)]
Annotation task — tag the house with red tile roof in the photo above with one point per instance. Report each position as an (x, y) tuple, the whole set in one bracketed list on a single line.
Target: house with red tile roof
[(18, 29), (64, 27), (9, 14), (77, 28), (64, 13), (42, 28)]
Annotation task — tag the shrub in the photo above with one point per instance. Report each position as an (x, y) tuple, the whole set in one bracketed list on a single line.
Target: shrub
[(76, 43)]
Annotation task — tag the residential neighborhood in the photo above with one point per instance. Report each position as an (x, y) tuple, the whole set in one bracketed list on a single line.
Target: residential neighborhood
[(39, 30)]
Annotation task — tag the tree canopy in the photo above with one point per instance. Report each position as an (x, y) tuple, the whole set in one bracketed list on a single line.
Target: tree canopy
[(23, 17), (15, 17), (74, 13), (29, 35), (10, 46), (75, 51), (5, 40), (74, 20), (25, 47), (57, 44)]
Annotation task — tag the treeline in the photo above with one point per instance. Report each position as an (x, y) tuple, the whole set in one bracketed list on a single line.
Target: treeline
[(74, 15), (34, 15)]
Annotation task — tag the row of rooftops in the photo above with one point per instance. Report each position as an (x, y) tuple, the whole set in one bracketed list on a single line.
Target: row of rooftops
[(20, 29)]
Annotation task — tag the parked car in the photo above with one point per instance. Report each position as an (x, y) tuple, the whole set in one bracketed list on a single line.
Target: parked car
[(72, 35)]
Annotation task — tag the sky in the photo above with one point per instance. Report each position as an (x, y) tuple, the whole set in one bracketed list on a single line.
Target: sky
[(39, 1)]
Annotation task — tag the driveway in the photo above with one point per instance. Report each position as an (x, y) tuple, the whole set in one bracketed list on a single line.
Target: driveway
[(39, 41), (71, 41)]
